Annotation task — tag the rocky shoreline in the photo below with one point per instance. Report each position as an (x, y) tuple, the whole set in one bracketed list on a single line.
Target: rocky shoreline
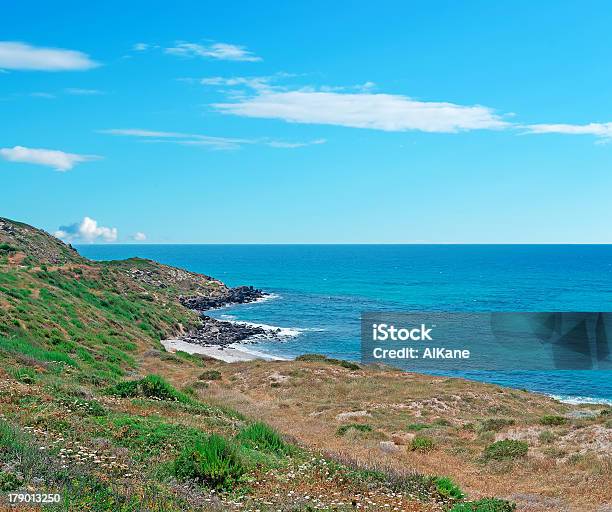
[(219, 333)]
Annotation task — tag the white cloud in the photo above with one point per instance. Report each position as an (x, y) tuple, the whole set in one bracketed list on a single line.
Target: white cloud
[(139, 236), (59, 160), (292, 145), (181, 138), (75, 91), (86, 231), (141, 47), (255, 82), (191, 139), (386, 112), (17, 55), (219, 51), (46, 95), (602, 130)]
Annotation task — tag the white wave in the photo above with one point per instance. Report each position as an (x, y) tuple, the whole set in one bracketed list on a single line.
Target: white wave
[(279, 332), (577, 400), (265, 298)]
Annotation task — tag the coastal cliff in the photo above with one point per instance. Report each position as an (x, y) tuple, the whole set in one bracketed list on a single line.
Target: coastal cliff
[(94, 409)]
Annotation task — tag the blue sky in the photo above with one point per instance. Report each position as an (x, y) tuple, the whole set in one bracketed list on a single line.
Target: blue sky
[(311, 122)]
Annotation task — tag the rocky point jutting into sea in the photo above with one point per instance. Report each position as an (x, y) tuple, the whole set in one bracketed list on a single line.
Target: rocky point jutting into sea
[(213, 332)]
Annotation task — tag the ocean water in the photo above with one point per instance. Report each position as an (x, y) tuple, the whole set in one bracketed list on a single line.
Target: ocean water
[(319, 291)]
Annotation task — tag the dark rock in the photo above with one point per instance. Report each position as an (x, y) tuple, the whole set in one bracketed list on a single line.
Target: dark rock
[(220, 333), (238, 295)]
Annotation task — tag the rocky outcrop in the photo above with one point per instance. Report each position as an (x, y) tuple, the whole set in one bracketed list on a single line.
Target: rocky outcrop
[(238, 295), (219, 333)]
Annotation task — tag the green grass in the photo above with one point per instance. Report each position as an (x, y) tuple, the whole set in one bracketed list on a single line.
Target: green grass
[(484, 505), (422, 444), (152, 386), (359, 427), (260, 436), (213, 463), (210, 375), (506, 449), (320, 358), (495, 424), (553, 420), (416, 427), (448, 489), (27, 348), (150, 436)]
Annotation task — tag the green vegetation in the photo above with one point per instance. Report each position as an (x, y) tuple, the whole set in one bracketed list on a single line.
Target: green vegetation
[(416, 427), (210, 375), (422, 444), (359, 427), (263, 437), (152, 386), (214, 463), (495, 424), (448, 489), (484, 505), (320, 358), (552, 420), (506, 449), (547, 437)]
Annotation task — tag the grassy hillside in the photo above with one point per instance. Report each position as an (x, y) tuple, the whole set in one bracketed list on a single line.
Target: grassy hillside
[(93, 408)]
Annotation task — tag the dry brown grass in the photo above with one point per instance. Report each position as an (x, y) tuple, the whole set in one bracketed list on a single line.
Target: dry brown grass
[(305, 405)]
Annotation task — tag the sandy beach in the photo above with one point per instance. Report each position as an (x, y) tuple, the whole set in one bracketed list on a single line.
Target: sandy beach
[(228, 354)]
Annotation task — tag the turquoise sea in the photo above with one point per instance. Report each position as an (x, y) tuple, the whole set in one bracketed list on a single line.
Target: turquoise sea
[(319, 291)]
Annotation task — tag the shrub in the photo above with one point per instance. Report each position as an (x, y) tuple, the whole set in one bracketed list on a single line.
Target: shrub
[(320, 358), (415, 427), (448, 489), (214, 463), (263, 437), (349, 365), (152, 386), (495, 424), (312, 358), (210, 375), (552, 420), (422, 444), (10, 481), (441, 422), (484, 505), (361, 427), (546, 437), (506, 449), (6, 249), (85, 407)]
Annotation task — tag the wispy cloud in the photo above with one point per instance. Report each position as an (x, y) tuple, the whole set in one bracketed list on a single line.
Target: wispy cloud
[(58, 160), (88, 231), (190, 139), (22, 56), (139, 236), (45, 95), (141, 47), (218, 51), (292, 145), (600, 130), (75, 91), (180, 138), (388, 112)]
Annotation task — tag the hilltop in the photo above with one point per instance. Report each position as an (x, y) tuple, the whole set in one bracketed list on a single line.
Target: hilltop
[(92, 407)]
